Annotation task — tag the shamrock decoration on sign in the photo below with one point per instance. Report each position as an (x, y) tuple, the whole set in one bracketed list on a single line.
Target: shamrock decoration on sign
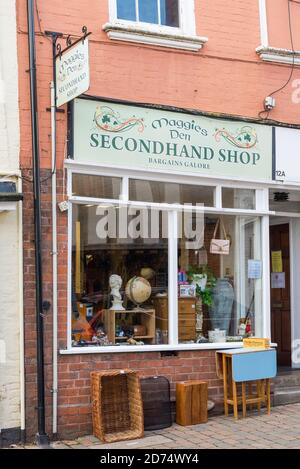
[(109, 120), (246, 137)]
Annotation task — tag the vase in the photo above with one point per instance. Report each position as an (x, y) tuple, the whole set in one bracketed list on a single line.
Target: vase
[(222, 302)]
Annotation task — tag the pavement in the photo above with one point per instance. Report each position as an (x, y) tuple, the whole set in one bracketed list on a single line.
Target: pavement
[(279, 430)]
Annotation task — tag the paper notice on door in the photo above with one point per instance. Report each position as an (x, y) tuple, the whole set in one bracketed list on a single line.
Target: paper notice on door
[(254, 269), (278, 280), (277, 261)]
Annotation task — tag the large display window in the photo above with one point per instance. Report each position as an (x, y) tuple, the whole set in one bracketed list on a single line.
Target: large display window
[(162, 264)]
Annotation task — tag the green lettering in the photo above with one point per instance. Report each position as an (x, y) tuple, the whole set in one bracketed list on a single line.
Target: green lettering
[(145, 146), (172, 149), (131, 144), (184, 152), (245, 157), (158, 148), (114, 144), (208, 153), (256, 157), (105, 141), (94, 140)]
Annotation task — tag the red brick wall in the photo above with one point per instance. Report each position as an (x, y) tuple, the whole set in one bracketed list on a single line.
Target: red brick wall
[(74, 399), (29, 290)]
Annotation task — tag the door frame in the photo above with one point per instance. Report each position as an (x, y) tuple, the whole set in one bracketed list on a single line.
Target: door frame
[(294, 273)]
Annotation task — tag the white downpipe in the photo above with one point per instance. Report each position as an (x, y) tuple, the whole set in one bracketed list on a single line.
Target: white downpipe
[(21, 315), (54, 260)]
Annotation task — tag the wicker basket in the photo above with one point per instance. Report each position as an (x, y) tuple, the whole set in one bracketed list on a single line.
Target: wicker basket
[(117, 405)]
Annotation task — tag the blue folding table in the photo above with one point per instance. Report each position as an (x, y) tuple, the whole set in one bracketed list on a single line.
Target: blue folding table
[(246, 365)]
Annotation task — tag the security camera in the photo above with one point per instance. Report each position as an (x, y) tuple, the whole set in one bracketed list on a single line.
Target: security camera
[(269, 103)]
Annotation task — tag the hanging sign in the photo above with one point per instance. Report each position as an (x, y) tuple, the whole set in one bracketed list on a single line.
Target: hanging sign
[(141, 137), (72, 72)]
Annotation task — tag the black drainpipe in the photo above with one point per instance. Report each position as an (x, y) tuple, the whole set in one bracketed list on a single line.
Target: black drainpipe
[(41, 437)]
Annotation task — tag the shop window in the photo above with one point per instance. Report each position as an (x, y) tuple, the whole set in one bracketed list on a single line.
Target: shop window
[(220, 295), (161, 12), (162, 192), (119, 269), (124, 256), (238, 198), (100, 187)]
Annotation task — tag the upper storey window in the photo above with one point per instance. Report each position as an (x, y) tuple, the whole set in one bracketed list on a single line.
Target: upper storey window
[(166, 23), (161, 12), (280, 32)]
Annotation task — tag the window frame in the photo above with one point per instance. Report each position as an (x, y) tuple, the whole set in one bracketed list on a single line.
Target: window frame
[(265, 51), (186, 23), (261, 210), (183, 37)]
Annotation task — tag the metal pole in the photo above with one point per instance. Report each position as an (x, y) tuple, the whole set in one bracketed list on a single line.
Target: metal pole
[(41, 437), (54, 36), (54, 262)]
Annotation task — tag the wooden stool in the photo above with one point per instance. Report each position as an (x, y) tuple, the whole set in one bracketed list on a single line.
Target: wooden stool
[(191, 402), (246, 366)]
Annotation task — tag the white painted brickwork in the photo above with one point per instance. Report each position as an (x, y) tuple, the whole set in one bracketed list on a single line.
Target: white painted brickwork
[(9, 242)]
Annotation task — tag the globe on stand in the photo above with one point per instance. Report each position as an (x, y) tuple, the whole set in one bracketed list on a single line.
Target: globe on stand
[(138, 290)]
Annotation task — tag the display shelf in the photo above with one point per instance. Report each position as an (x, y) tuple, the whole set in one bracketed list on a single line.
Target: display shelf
[(145, 317)]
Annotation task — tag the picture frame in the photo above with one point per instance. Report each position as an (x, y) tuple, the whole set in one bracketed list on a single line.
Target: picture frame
[(187, 291)]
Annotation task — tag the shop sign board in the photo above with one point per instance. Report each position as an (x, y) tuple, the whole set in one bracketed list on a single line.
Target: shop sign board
[(148, 138), (287, 155), (72, 72)]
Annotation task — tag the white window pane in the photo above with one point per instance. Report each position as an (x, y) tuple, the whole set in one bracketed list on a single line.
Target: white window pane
[(148, 11), (238, 198), (126, 10), (169, 11), (101, 187), (132, 246), (219, 296), (162, 192), (281, 201)]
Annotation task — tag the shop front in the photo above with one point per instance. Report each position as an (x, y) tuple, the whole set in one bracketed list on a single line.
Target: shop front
[(168, 230), (172, 242)]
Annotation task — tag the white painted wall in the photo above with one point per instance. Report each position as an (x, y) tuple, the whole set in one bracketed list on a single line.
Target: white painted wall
[(10, 244)]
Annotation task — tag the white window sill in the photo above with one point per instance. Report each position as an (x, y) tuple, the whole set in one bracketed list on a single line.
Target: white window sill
[(8, 206), (150, 348), (277, 55), (140, 35)]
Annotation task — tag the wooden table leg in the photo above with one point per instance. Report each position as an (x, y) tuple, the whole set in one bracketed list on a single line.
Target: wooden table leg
[(244, 398), (250, 393), (259, 389), (235, 401), (268, 392), (225, 384)]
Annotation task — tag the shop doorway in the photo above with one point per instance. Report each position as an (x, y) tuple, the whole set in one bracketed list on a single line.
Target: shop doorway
[(281, 292)]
